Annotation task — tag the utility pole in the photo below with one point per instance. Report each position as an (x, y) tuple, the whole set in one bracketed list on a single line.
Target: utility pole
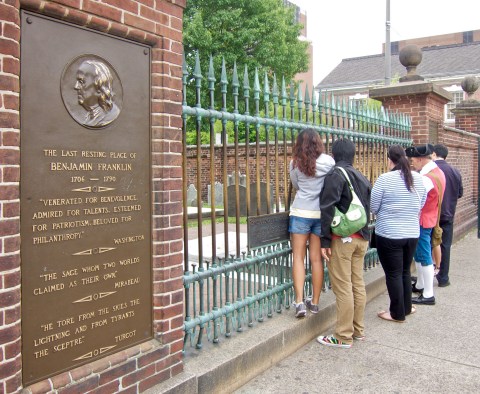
[(388, 57)]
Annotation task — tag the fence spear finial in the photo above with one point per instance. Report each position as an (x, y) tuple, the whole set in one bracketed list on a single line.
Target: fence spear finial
[(266, 88), (197, 72), (275, 89), (211, 73), (235, 82), (307, 96), (223, 77)]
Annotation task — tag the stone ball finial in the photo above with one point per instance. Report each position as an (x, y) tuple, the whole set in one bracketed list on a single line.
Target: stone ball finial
[(410, 56), (470, 85)]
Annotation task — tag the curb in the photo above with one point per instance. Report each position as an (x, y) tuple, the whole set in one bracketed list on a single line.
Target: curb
[(226, 366)]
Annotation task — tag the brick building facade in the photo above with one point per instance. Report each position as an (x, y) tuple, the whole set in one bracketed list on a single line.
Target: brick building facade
[(157, 24)]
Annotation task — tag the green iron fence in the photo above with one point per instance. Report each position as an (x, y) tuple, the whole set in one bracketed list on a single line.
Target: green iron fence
[(236, 152)]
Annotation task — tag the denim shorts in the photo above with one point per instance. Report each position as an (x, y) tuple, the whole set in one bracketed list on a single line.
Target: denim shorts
[(300, 225), (423, 253)]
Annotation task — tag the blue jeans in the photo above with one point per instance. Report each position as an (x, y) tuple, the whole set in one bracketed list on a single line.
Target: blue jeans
[(300, 225)]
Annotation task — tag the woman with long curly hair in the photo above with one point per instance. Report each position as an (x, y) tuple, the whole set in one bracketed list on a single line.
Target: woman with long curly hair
[(308, 168)]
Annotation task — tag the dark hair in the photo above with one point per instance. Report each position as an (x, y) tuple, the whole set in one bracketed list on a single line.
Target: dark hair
[(343, 150), (308, 147), (397, 155), (441, 151)]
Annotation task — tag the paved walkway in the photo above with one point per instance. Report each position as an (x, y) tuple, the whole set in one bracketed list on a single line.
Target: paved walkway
[(436, 351)]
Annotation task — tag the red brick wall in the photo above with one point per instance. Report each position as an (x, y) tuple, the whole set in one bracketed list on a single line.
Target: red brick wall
[(424, 110), (369, 159), (10, 328), (157, 23), (463, 155), (443, 39), (204, 173), (415, 107), (468, 119)]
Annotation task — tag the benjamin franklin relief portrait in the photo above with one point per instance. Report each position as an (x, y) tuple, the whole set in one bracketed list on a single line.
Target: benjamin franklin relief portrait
[(91, 91)]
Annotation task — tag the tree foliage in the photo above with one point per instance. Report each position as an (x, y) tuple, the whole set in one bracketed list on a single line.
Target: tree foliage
[(261, 34)]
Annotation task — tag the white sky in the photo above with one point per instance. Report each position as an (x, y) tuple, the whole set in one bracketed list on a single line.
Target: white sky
[(341, 29)]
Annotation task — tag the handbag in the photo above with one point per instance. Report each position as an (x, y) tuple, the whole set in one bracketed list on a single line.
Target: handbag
[(352, 221), (437, 231)]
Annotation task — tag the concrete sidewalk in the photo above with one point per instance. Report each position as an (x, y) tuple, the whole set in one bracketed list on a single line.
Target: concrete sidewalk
[(435, 351)]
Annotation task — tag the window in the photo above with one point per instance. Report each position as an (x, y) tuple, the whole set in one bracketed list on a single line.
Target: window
[(358, 100), (394, 47), (356, 104), (457, 98), (287, 3), (467, 37)]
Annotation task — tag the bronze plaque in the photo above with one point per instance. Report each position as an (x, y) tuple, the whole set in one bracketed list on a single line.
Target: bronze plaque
[(267, 229), (85, 196)]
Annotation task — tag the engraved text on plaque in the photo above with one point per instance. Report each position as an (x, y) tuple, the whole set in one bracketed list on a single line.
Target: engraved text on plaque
[(85, 196)]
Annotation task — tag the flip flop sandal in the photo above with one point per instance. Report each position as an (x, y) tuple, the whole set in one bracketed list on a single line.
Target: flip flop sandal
[(386, 316)]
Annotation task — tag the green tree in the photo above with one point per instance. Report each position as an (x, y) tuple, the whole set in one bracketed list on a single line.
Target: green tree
[(261, 34), (258, 33)]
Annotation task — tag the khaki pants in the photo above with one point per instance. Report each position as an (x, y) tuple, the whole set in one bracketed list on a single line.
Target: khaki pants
[(346, 276)]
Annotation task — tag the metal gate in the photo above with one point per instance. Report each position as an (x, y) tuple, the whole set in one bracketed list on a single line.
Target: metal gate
[(236, 152)]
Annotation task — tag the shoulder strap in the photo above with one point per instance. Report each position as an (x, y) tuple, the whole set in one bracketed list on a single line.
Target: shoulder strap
[(439, 186), (346, 176), (355, 196)]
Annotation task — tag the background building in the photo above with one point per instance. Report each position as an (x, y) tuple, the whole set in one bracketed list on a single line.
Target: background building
[(447, 59), (305, 78)]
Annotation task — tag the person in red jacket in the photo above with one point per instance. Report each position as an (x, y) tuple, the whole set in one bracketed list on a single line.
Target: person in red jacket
[(434, 181)]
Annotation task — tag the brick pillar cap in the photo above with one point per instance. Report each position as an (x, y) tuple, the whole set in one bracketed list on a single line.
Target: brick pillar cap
[(410, 88), (466, 107)]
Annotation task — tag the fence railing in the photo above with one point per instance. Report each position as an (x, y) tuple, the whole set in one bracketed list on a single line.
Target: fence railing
[(236, 152)]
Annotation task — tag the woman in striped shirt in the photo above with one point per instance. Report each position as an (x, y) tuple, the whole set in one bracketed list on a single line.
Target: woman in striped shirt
[(397, 198)]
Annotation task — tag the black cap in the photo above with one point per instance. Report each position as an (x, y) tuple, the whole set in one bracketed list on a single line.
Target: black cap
[(419, 151)]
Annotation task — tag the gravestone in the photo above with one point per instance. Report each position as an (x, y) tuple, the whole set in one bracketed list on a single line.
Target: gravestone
[(218, 187), (242, 179), (191, 196), (253, 199)]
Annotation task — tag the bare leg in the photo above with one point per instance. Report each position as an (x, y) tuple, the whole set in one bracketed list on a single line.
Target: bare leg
[(299, 248), (317, 267)]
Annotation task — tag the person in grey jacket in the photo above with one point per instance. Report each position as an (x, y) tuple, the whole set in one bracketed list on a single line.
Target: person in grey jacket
[(308, 168)]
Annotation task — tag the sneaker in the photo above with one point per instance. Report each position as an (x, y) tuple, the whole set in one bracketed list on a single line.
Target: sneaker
[(300, 309), (447, 283), (312, 307), (330, 340), (359, 337)]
